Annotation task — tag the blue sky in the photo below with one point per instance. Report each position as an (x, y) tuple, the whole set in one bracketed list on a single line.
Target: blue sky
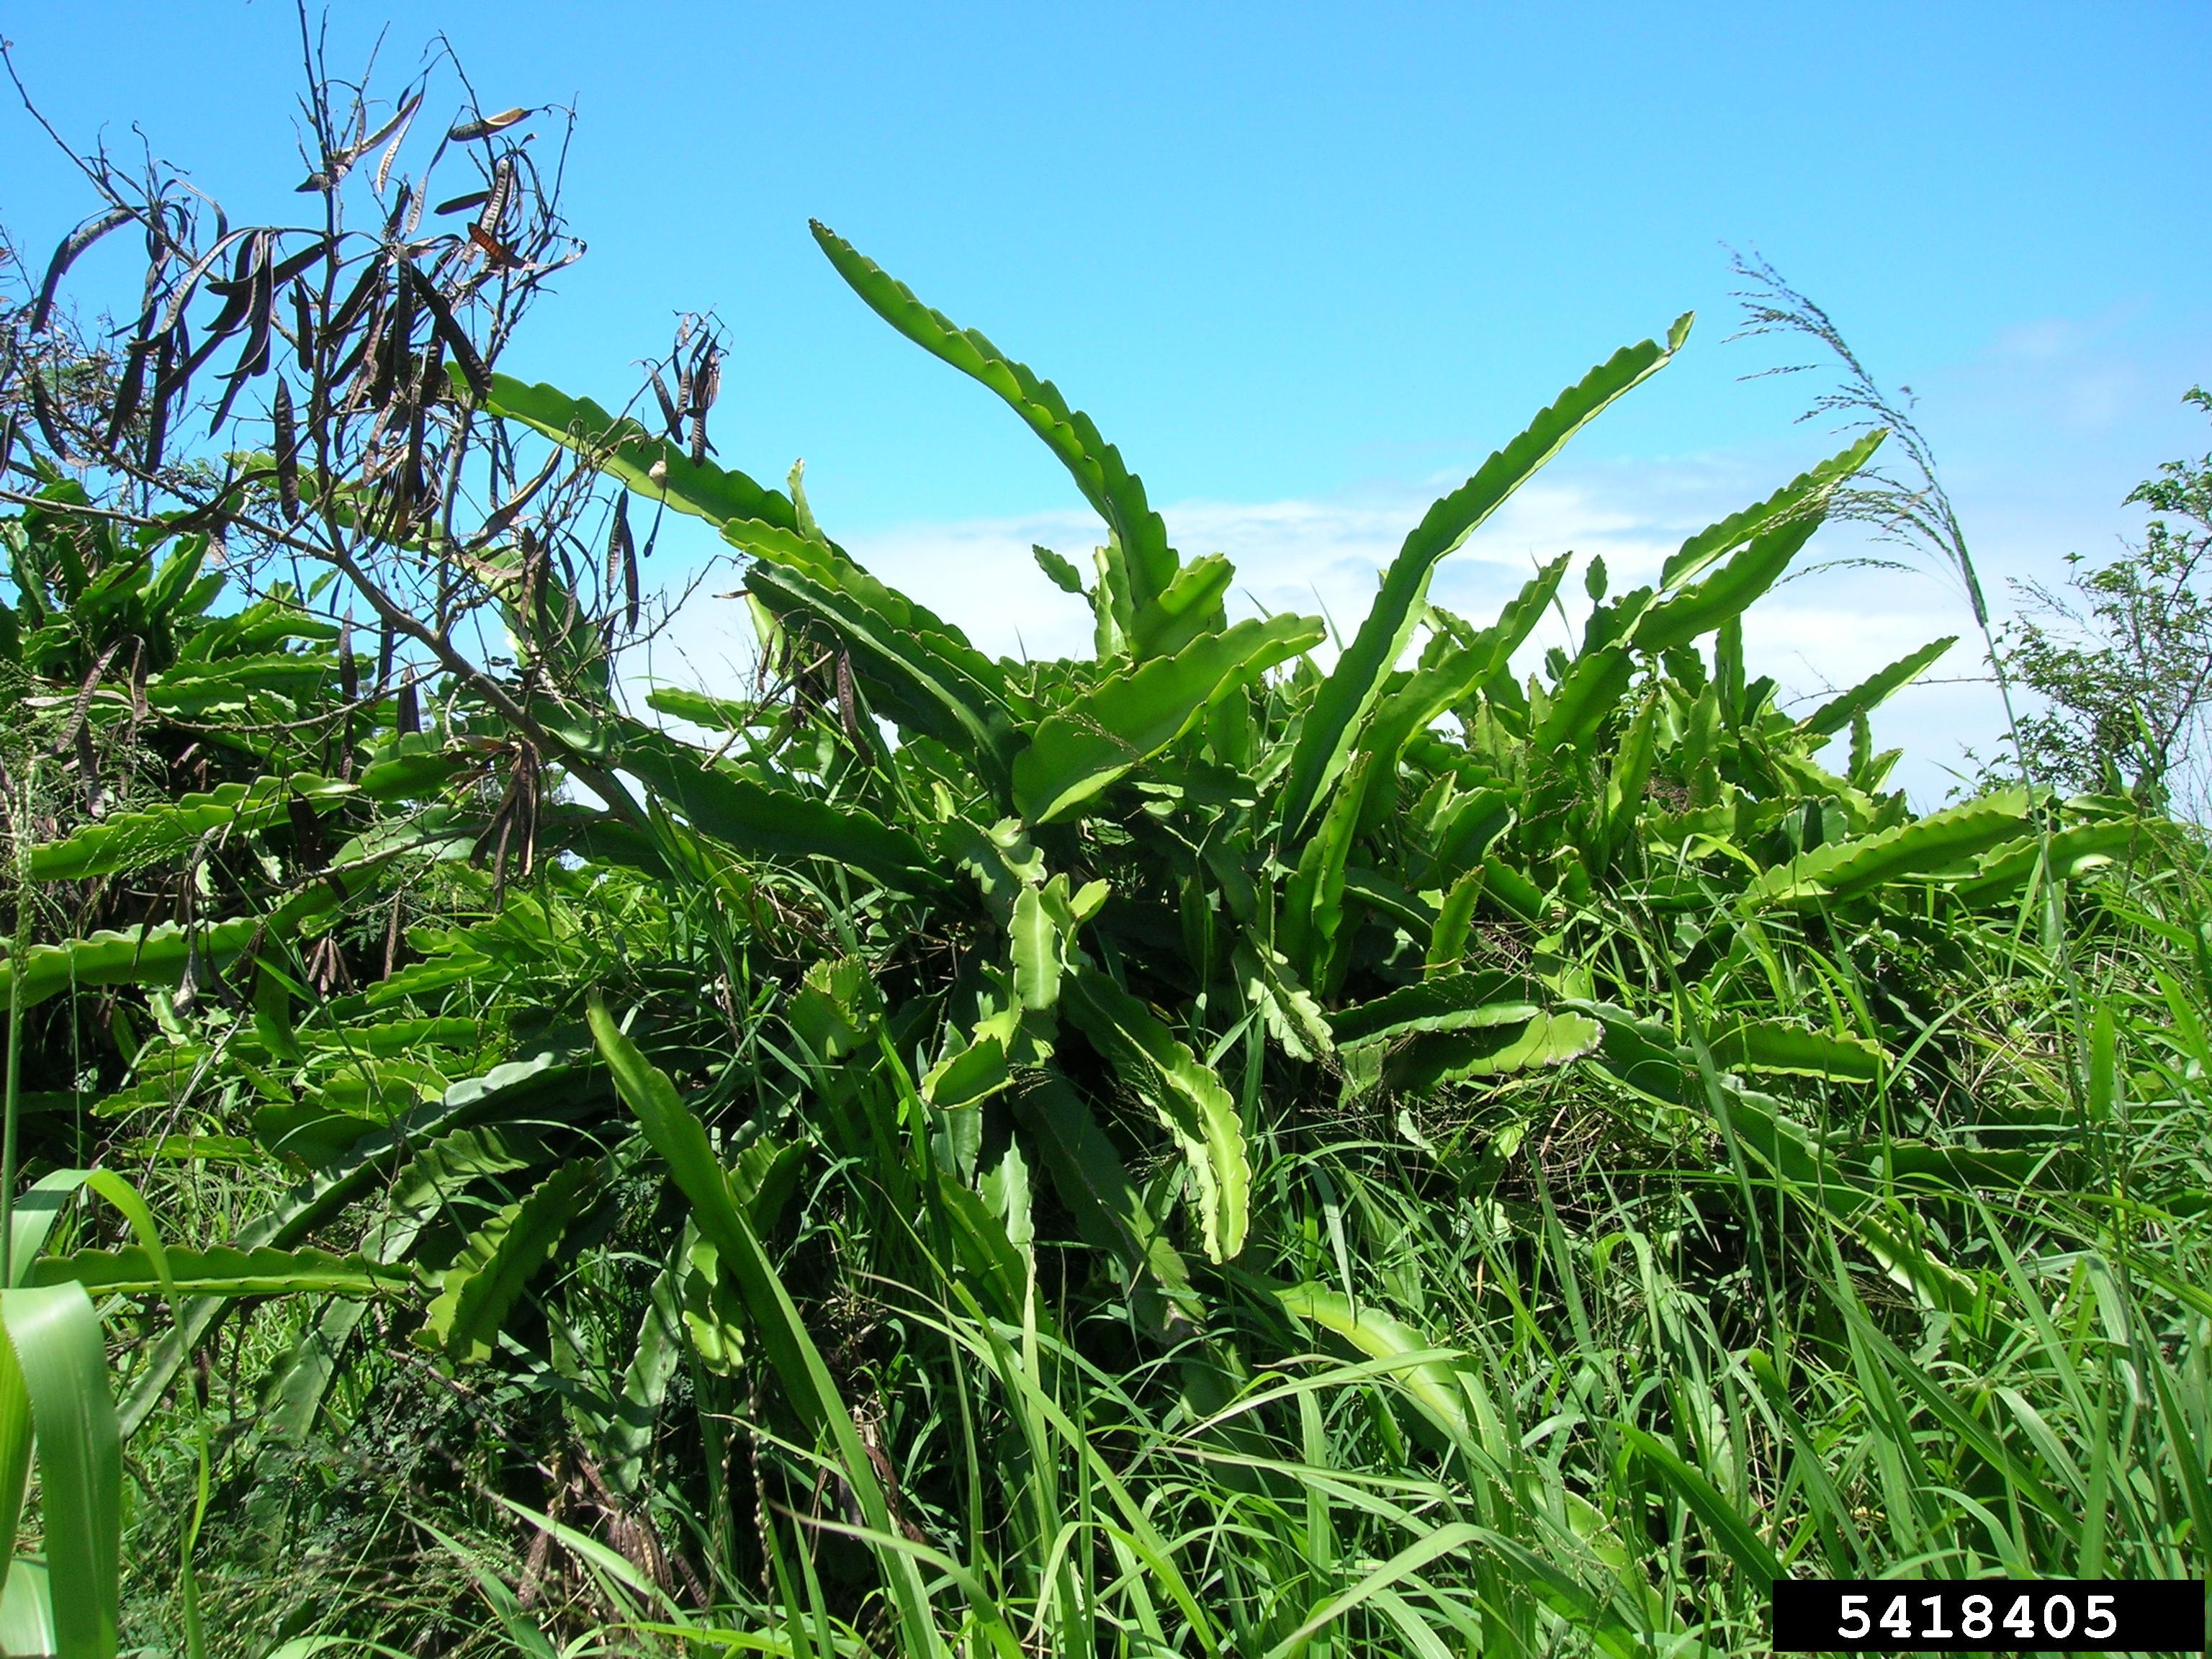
[(1304, 265)]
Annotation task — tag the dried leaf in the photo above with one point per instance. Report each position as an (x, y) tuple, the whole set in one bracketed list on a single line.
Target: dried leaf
[(621, 561), (848, 707), (303, 330), (349, 671), (468, 132), (496, 198), (66, 255), (672, 417), (499, 256), (288, 453), (391, 150), (130, 388), (88, 767)]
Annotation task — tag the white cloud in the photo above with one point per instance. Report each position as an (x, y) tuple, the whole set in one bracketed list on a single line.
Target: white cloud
[(1326, 556), (2043, 432), (2042, 340)]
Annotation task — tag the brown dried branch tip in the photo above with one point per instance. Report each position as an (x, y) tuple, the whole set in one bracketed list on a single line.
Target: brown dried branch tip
[(368, 308), (309, 390)]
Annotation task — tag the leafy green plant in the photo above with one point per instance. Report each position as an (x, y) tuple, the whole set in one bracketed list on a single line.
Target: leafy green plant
[(2123, 662), (1207, 1146)]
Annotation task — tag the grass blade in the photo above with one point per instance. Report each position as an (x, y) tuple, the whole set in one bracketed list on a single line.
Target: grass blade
[(681, 1141), (63, 1357), (1325, 744)]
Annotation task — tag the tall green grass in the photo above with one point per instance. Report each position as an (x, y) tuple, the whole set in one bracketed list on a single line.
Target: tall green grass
[(1534, 1395)]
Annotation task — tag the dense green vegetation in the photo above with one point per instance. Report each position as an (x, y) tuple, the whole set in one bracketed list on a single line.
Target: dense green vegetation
[(1237, 1144)]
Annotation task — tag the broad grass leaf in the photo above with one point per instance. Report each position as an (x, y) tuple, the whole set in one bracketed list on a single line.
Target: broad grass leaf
[(27, 1608), (1099, 735), (219, 1270), (1728, 593), (681, 1141), (1341, 706), (1112, 490), (15, 1436), (500, 1259), (1736, 1535), (1644, 1057), (1405, 1564), (1109, 1210), (1924, 847), (1183, 1091), (988, 1262), (1773, 1045), (1840, 710), (1938, 1400), (61, 1354), (32, 1219), (1808, 491)]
